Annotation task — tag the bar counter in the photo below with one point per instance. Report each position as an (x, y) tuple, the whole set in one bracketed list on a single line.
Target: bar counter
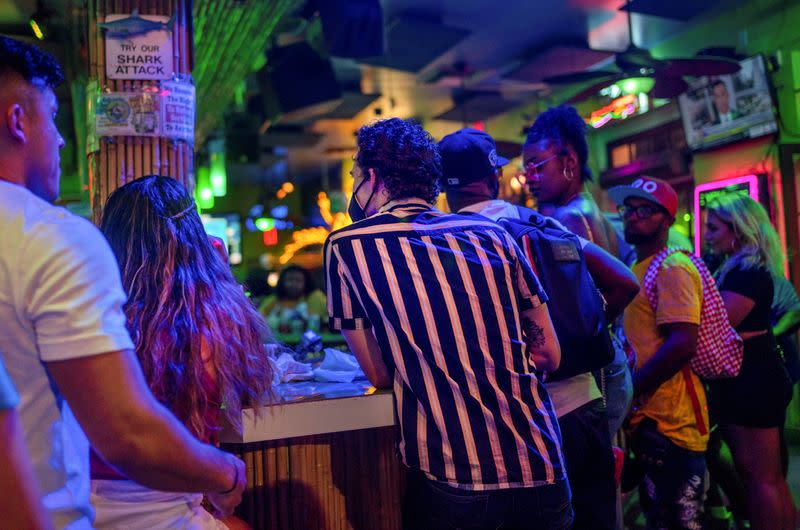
[(324, 458)]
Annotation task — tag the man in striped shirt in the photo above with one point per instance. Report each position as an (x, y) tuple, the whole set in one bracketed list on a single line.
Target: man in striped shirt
[(444, 309)]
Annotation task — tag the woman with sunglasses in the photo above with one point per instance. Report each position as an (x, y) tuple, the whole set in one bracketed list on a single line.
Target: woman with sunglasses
[(556, 158), (751, 407)]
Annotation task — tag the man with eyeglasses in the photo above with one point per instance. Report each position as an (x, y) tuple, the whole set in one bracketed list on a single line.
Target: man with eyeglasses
[(669, 418)]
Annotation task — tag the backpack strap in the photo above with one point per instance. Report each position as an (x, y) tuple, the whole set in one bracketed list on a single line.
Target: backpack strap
[(586, 226), (651, 275), (526, 248), (692, 391)]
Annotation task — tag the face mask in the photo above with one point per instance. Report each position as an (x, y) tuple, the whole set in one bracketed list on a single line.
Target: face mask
[(357, 213)]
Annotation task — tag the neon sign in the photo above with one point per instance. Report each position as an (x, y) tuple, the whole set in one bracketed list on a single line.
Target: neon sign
[(318, 234), (619, 109), (703, 193)]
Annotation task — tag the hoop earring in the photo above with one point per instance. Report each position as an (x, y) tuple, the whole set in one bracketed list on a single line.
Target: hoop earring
[(571, 175)]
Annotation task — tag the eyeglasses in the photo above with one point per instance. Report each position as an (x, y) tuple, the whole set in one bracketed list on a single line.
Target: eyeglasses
[(532, 168), (643, 211)]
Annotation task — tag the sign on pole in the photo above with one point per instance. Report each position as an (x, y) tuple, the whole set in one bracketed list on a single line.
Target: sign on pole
[(138, 47)]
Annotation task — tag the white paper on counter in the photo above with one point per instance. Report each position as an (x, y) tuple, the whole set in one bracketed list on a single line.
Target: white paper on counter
[(338, 367), (287, 369)]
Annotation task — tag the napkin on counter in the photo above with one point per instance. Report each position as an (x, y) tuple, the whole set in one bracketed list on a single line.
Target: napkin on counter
[(287, 369), (338, 367)]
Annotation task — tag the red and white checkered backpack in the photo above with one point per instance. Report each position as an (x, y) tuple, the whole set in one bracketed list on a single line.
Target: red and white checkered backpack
[(719, 348)]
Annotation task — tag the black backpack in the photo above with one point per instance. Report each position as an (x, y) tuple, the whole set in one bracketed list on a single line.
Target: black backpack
[(576, 306)]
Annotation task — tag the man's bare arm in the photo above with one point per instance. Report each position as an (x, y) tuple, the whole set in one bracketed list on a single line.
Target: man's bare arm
[(363, 344), (680, 345), (128, 427), (540, 336)]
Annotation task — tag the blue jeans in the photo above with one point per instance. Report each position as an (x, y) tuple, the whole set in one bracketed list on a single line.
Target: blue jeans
[(616, 385), (432, 505), (590, 466), (671, 491)]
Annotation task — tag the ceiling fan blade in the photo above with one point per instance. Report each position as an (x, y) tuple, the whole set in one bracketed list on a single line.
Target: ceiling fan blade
[(635, 59), (700, 66), (594, 88), (667, 86), (16, 30), (579, 77)]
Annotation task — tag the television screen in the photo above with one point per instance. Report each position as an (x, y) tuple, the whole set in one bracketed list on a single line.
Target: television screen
[(227, 228), (717, 110)]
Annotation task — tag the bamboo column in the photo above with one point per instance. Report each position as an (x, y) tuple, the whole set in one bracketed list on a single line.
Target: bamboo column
[(121, 159)]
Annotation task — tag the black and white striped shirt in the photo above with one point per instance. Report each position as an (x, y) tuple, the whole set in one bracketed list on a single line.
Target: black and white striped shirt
[(443, 295)]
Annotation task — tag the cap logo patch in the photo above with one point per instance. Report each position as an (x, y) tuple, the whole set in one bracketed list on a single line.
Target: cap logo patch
[(493, 157), (648, 186)]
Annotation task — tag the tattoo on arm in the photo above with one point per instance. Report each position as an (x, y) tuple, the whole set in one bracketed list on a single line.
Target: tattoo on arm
[(535, 337)]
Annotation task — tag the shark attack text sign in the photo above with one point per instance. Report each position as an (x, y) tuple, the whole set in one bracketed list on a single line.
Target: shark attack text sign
[(138, 47)]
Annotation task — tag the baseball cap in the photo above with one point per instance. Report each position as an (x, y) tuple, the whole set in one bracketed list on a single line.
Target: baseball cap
[(650, 189), (468, 155)]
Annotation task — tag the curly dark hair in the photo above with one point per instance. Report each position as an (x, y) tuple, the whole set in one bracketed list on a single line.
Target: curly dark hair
[(29, 61), (404, 156), (563, 125)]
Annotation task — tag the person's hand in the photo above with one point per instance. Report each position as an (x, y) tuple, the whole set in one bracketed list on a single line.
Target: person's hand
[(225, 502)]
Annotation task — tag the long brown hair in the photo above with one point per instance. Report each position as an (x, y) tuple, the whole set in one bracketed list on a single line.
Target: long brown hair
[(182, 296)]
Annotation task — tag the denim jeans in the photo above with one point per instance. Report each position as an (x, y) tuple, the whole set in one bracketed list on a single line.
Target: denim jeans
[(432, 505), (671, 491), (616, 385), (590, 466)]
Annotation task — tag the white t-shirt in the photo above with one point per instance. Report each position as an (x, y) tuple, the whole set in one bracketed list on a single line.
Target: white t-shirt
[(566, 394), (60, 298)]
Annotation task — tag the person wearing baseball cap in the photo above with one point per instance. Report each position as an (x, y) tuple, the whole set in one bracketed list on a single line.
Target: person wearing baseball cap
[(638, 205), (669, 424), (471, 169), (470, 173)]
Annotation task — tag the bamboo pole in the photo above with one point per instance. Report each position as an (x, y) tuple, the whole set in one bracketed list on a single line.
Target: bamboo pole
[(124, 158)]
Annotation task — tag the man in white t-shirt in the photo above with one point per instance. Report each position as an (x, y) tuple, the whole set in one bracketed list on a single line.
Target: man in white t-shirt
[(62, 330), (471, 171)]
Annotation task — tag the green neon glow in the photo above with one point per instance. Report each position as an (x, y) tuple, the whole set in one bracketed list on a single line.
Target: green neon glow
[(265, 224), (37, 31), (636, 85), (216, 163), (204, 195)]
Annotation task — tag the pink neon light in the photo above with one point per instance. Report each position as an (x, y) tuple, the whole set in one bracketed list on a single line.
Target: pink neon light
[(752, 180)]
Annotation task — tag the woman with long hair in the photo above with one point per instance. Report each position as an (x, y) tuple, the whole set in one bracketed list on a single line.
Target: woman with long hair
[(751, 407), (197, 337)]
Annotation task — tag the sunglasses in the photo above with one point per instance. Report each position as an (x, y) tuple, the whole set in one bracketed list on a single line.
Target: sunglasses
[(532, 168), (643, 211)]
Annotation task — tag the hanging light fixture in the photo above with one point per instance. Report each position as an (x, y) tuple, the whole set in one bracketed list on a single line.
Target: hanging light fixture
[(635, 85)]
